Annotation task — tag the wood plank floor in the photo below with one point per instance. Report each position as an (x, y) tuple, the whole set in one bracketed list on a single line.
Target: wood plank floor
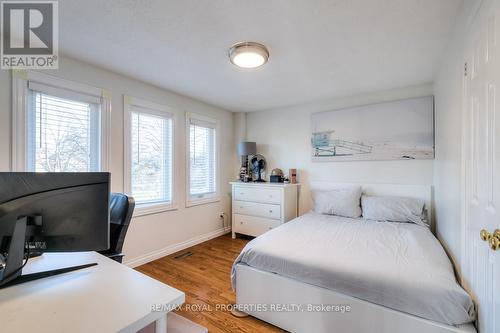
[(205, 278)]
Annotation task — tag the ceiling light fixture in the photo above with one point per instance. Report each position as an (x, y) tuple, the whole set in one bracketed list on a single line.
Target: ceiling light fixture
[(248, 54)]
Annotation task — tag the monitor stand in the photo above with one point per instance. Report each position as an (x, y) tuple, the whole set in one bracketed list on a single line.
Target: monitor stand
[(11, 273)]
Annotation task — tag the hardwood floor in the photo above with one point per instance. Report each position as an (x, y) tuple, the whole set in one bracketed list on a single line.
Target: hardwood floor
[(205, 278)]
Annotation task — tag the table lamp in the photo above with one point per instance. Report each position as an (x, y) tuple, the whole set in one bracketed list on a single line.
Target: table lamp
[(246, 148)]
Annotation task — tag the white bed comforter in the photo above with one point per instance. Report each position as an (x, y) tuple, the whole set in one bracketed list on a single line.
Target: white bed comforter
[(398, 265)]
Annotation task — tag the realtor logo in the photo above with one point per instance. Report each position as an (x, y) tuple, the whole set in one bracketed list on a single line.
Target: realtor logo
[(29, 35)]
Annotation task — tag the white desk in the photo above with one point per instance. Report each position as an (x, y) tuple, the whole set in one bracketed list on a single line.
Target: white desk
[(109, 297)]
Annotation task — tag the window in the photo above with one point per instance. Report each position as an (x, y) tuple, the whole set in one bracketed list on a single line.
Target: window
[(63, 134), (151, 168), (202, 160), (59, 126), (149, 156)]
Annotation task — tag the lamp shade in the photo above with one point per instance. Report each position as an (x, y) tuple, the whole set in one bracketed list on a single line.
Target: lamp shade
[(247, 148)]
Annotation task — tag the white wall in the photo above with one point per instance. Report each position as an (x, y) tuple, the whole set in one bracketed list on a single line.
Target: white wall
[(240, 134), (283, 137), (447, 166), (5, 119), (153, 235)]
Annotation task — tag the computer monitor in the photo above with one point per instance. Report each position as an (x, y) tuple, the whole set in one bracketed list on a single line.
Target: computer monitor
[(50, 212)]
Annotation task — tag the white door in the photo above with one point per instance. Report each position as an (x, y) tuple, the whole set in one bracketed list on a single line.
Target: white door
[(482, 164)]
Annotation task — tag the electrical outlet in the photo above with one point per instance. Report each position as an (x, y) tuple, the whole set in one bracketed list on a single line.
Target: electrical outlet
[(222, 217)]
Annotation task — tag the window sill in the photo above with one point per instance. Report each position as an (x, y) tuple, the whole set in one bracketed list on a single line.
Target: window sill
[(198, 202), (143, 210)]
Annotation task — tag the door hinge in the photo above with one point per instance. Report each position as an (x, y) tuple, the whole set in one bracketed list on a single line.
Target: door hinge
[(465, 69)]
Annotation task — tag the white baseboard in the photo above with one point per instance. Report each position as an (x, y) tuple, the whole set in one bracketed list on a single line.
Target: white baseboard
[(134, 262)]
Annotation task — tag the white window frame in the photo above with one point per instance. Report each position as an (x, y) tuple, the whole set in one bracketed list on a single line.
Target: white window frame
[(152, 108), (190, 202), (20, 92)]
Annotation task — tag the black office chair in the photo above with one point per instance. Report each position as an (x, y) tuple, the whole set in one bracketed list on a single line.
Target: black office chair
[(121, 210)]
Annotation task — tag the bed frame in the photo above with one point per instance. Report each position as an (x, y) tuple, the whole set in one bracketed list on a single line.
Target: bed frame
[(256, 287)]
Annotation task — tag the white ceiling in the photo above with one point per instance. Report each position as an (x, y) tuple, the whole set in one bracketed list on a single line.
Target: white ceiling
[(318, 48)]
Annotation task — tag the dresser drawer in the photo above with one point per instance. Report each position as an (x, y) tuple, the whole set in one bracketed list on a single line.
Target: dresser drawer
[(257, 209), (252, 225), (264, 195)]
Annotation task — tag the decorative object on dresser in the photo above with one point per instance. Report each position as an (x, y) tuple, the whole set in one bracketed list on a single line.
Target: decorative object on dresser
[(258, 207), (292, 176), (246, 148), (277, 176)]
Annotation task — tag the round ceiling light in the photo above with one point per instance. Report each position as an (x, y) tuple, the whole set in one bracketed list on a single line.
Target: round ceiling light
[(248, 54)]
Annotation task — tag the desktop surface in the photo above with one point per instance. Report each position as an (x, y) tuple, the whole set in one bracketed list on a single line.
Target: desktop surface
[(109, 297)]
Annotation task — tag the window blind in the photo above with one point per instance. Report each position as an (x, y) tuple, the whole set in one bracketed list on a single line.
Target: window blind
[(202, 156), (151, 158), (64, 93), (63, 135)]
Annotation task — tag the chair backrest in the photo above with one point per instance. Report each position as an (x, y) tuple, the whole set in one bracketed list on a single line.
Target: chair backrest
[(121, 210)]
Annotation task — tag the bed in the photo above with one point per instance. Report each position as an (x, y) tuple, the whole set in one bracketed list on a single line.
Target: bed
[(321, 273)]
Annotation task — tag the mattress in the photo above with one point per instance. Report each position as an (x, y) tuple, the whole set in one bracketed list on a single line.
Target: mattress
[(401, 266)]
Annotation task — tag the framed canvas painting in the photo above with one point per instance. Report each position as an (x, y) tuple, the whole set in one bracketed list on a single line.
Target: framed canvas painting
[(396, 130)]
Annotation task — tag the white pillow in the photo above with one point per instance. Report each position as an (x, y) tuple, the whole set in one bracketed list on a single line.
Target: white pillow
[(393, 209), (342, 201)]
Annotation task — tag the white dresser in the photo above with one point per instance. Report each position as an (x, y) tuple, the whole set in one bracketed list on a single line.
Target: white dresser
[(259, 207)]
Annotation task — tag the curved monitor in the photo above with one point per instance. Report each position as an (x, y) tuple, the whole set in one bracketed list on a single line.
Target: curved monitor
[(66, 211)]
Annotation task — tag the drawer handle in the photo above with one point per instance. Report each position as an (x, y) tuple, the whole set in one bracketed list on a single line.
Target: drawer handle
[(270, 210)]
